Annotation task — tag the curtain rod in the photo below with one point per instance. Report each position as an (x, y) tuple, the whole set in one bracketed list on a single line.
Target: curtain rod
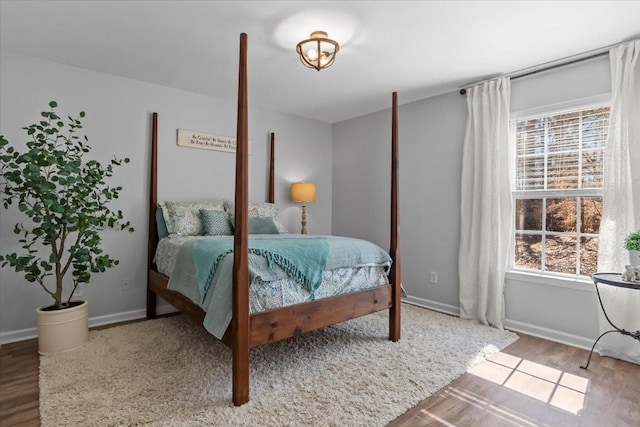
[(573, 59)]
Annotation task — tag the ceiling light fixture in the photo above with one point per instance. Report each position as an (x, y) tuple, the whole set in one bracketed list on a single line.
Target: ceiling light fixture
[(317, 51)]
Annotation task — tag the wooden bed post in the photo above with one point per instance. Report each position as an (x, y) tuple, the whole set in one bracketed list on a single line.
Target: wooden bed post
[(153, 203), (240, 321), (247, 331), (272, 169), (395, 277)]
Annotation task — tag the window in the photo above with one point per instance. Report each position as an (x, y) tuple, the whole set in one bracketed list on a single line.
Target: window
[(558, 190)]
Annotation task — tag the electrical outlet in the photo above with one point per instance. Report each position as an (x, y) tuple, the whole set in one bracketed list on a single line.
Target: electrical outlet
[(78, 292), (433, 278), (126, 285)]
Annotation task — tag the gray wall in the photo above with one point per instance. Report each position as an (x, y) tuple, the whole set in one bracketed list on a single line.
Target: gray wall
[(431, 136), (118, 123), (349, 161)]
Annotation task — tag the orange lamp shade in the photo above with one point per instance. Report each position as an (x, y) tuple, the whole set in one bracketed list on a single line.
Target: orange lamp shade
[(303, 192)]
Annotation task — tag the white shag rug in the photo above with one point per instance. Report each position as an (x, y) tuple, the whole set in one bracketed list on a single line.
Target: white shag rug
[(170, 372)]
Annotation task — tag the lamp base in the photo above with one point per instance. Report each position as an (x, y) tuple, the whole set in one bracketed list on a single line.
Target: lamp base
[(304, 219)]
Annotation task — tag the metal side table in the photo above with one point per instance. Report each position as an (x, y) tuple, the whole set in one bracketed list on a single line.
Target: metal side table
[(611, 279)]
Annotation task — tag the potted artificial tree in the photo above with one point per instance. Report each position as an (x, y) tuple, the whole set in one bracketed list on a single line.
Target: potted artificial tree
[(65, 198), (632, 244)]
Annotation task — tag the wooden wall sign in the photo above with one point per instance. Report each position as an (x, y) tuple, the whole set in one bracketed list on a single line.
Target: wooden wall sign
[(207, 141)]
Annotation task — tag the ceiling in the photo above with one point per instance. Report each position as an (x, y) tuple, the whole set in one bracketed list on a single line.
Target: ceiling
[(418, 48)]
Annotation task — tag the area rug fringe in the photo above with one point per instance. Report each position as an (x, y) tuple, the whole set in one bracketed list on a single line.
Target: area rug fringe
[(169, 372)]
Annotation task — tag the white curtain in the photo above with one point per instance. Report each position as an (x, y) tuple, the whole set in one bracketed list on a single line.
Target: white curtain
[(621, 201), (486, 206)]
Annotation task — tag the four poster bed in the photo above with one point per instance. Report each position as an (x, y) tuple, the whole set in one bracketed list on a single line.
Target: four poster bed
[(249, 328)]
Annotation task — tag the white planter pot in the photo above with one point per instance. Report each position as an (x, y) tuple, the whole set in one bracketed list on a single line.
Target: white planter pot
[(634, 258), (63, 330)]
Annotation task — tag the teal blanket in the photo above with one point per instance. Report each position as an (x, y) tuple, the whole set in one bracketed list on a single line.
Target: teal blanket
[(303, 259)]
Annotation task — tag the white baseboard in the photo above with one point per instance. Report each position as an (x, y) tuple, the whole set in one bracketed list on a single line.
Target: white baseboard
[(165, 308), (512, 325), (433, 305), (30, 333), (129, 315), (549, 334), (19, 335)]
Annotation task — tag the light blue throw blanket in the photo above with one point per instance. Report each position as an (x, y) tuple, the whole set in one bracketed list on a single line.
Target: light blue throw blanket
[(303, 259)]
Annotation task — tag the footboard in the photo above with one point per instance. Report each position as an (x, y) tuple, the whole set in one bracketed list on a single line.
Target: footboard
[(275, 325), (286, 322)]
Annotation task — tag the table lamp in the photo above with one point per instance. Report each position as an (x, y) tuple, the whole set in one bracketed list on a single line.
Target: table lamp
[(303, 192)]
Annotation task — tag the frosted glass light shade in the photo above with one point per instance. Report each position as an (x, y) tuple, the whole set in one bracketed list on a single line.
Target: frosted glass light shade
[(318, 51)]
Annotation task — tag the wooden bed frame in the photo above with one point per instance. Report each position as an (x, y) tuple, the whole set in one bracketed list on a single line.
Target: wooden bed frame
[(247, 331)]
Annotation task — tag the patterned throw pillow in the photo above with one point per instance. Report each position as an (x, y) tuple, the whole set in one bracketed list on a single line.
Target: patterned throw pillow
[(215, 223), (184, 218)]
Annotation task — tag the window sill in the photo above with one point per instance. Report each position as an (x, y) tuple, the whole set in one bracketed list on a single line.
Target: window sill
[(583, 284)]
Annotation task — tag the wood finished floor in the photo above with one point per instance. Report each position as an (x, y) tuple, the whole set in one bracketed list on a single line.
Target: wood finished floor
[(533, 382)]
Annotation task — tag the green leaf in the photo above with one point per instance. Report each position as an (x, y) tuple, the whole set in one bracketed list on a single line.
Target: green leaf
[(65, 193)]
